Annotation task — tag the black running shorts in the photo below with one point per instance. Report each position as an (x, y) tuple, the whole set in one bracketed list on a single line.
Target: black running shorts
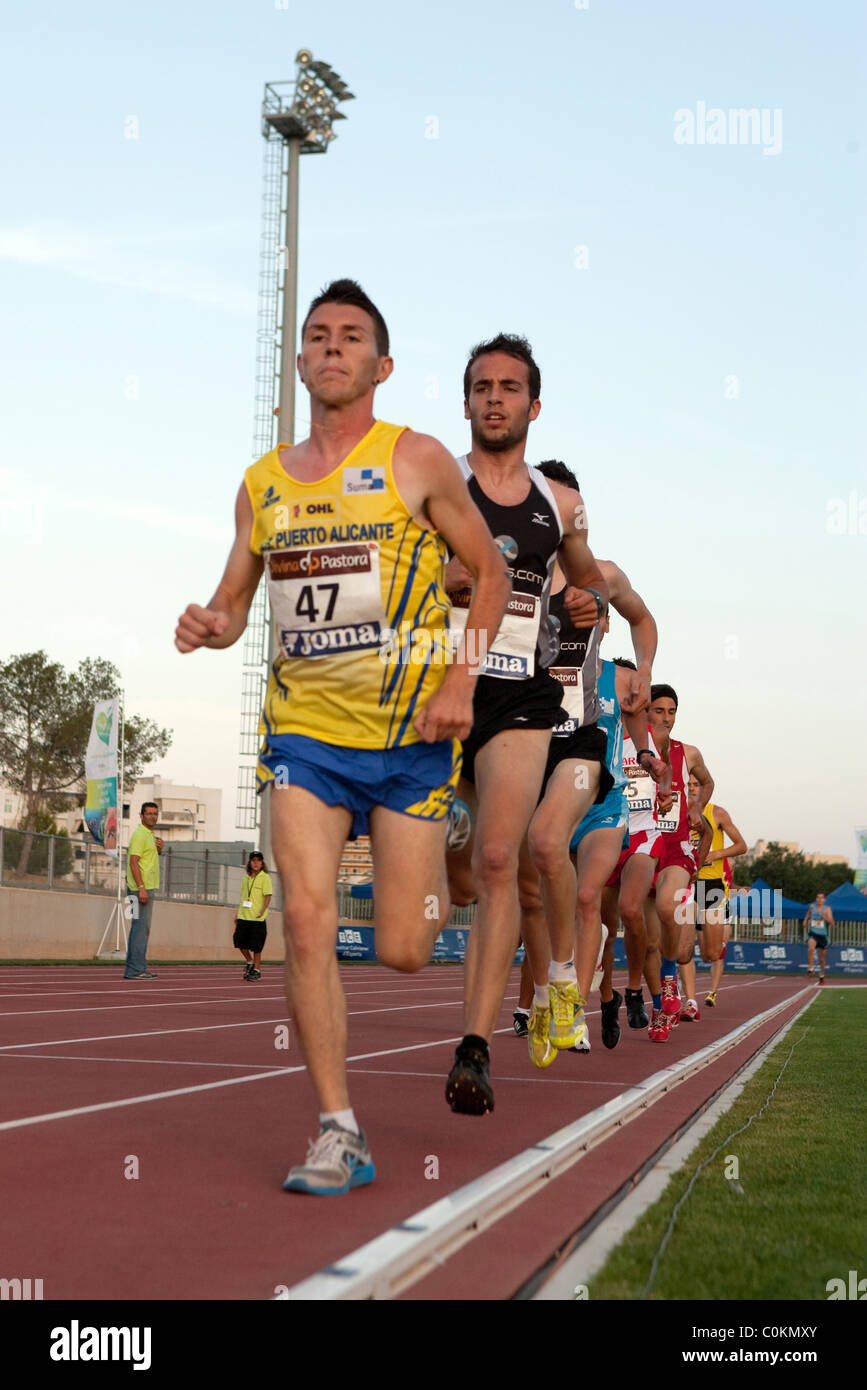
[(710, 896), (590, 743), (501, 704), (249, 936)]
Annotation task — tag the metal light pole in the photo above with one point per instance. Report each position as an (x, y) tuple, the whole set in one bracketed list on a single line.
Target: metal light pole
[(304, 123)]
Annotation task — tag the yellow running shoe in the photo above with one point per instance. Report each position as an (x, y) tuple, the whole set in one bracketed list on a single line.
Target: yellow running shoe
[(567, 1014), (542, 1054), (710, 999)]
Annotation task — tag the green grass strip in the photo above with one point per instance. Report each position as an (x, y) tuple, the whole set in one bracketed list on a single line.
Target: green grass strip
[(790, 1215)]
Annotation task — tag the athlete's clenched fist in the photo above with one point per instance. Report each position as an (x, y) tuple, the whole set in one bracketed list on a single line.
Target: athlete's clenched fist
[(197, 626)]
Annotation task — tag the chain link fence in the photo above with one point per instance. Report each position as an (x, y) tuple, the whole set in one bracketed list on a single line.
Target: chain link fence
[(214, 877)]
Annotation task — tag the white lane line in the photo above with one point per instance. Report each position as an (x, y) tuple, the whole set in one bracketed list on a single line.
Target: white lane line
[(150, 1033), (529, 1080), (242, 993), (351, 1013), (401, 1256), (210, 1086), (196, 1004), (148, 1061)]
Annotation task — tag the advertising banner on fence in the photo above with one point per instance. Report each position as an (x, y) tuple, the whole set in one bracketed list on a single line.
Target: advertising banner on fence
[(861, 858), (357, 943), (100, 770)]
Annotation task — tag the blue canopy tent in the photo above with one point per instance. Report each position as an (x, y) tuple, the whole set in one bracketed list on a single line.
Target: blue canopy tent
[(762, 902), (847, 904)]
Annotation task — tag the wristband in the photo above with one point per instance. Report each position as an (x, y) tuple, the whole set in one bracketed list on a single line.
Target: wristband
[(600, 604), (641, 752)]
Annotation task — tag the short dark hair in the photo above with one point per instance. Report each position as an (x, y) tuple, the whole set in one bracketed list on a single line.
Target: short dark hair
[(624, 661), (146, 804), (350, 292), (514, 346), (256, 854), (663, 692), (557, 471)]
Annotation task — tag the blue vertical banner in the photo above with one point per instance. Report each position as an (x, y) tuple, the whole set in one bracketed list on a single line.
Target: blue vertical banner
[(100, 770)]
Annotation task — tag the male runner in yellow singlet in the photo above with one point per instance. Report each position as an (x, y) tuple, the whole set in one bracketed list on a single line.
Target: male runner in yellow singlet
[(362, 708)]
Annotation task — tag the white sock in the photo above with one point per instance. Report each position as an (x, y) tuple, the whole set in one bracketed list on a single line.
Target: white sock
[(344, 1118), (562, 972), (521, 1010), (540, 996)]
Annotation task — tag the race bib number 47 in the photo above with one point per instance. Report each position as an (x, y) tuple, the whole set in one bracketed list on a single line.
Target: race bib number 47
[(326, 599)]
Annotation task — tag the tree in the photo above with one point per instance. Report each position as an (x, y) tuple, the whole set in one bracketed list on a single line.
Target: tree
[(792, 874), (46, 716)]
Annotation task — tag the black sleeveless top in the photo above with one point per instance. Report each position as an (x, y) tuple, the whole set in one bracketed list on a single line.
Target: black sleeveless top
[(529, 535)]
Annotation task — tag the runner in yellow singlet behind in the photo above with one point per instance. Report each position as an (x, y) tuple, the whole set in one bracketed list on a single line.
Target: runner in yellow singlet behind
[(713, 922), (363, 704)]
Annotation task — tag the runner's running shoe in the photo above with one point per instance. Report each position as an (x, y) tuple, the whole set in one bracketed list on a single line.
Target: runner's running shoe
[(636, 1014), (337, 1161), (660, 1026), (247, 968), (460, 825), (520, 1022), (610, 1021), (468, 1089), (670, 996), (542, 1053), (567, 1014), (690, 1012), (710, 999), (583, 1043)]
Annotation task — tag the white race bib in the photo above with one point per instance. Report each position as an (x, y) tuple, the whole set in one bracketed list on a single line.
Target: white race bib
[(512, 654), (669, 822), (572, 680), (326, 599), (248, 903)]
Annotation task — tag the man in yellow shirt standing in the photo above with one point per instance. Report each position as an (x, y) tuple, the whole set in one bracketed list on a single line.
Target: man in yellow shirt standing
[(250, 928), (143, 880)]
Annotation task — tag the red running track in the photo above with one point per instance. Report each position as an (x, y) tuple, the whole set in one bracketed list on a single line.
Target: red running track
[(180, 1079)]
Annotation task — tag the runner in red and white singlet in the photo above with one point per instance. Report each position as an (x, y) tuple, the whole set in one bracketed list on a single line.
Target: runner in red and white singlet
[(677, 866)]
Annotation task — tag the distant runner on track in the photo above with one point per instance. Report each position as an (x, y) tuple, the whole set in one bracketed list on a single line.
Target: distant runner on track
[(362, 708)]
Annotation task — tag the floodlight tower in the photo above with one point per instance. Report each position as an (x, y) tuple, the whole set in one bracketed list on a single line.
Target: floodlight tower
[(297, 118)]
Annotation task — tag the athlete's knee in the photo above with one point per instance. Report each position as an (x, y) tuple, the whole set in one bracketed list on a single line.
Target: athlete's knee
[(303, 933), (589, 897), (494, 860), (548, 850), (529, 895), (402, 953), (462, 889)]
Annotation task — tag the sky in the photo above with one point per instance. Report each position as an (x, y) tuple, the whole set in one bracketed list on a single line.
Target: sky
[(696, 308)]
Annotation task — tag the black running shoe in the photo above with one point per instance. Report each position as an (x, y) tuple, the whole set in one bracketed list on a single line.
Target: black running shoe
[(610, 1024), (521, 1023), (635, 1013), (468, 1089)]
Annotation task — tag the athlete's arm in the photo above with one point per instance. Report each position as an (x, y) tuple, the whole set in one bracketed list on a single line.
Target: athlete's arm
[(431, 482), (631, 606), (705, 840), (830, 918), (576, 558), (223, 619), (728, 827), (695, 766), (636, 727)]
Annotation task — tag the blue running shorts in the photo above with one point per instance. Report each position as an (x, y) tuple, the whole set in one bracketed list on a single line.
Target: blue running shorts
[(417, 779)]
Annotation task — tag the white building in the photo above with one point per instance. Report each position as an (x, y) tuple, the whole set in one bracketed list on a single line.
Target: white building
[(185, 812)]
